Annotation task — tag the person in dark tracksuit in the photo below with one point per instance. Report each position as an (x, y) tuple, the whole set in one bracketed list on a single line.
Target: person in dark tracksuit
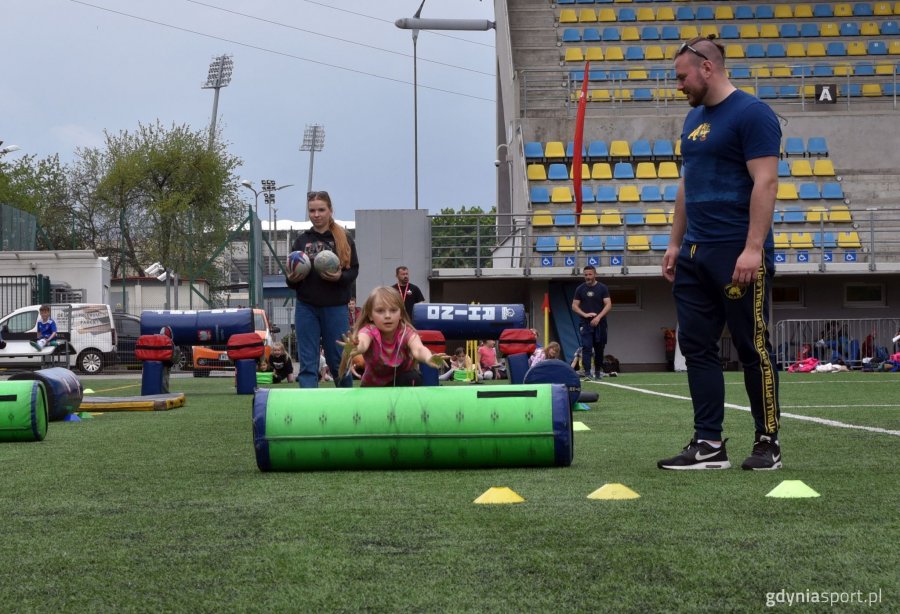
[(592, 304), (720, 254)]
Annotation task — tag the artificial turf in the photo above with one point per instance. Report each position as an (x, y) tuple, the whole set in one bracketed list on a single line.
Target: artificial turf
[(167, 511)]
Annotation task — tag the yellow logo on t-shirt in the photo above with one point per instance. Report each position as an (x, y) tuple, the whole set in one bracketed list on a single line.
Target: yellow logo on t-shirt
[(700, 132)]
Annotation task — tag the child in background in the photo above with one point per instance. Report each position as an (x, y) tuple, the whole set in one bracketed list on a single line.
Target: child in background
[(461, 362), (46, 329), (387, 341), (551, 351), (280, 364)]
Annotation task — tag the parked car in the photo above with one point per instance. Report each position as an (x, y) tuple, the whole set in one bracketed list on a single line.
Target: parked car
[(128, 329), (86, 337), (215, 357)]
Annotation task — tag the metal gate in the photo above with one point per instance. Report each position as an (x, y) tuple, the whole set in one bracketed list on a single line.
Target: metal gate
[(833, 340), (22, 290)]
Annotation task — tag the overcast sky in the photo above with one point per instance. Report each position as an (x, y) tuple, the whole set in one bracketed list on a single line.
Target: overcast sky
[(72, 70)]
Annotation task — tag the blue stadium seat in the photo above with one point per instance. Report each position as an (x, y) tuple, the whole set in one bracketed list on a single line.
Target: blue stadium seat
[(564, 217), (641, 149), (823, 10), (827, 240), (864, 69), (663, 149), (862, 9), (659, 242), (836, 48), (670, 33), (606, 194), (610, 34), (577, 76), (890, 28), (823, 70), (755, 50), (793, 146), (784, 169), (705, 13), (565, 1), (657, 74), (809, 30), (642, 94), (788, 91), (767, 91), (558, 172), (684, 13), (776, 216), (598, 150), (570, 150), (634, 217), (587, 194), (651, 194), (876, 48), (764, 11), (623, 170), (809, 191), (775, 50), (540, 195), (854, 90), (831, 190), (545, 244), (618, 75), (729, 31), (850, 28), (670, 192), (615, 243), (636, 54), (740, 71), (743, 12), (591, 35), (627, 14), (789, 30), (649, 33), (534, 150), (591, 243), (817, 146), (571, 35), (793, 215), (801, 70), (888, 89)]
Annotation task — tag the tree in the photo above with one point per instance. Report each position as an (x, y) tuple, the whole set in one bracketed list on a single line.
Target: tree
[(458, 237)]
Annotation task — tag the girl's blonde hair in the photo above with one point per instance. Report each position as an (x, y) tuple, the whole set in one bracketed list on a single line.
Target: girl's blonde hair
[(552, 345), (390, 297), (278, 345), (341, 244)]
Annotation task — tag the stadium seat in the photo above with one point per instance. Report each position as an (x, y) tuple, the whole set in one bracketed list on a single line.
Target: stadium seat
[(775, 50), (816, 214), (597, 150), (606, 194), (768, 30), (623, 170), (823, 70), (874, 48), (614, 243), (539, 195), (843, 9), (816, 50), (570, 150), (567, 243), (894, 47), (809, 30), (651, 194), (890, 28), (799, 240), (776, 216), (659, 242), (863, 9), (630, 33), (890, 90), (803, 11), (587, 16), (568, 16), (784, 168), (638, 243), (669, 33), (649, 33), (788, 91), (822, 10), (606, 16), (588, 217), (796, 50), (823, 168), (764, 11), (653, 52), (562, 194), (614, 54), (545, 244), (670, 192), (801, 168), (723, 13), (789, 30), (781, 71), (536, 172), (557, 172), (826, 240), (684, 13), (809, 191), (641, 149), (554, 149), (783, 11), (591, 35), (734, 51), (656, 217), (610, 217), (740, 71), (645, 14), (601, 170), (792, 214), (634, 54), (743, 12), (587, 193), (839, 213), (627, 14), (571, 35), (767, 91), (629, 194), (619, 149), (668, 170), (857, 48), (688, 32), (836, 49), (749, 31), (755, 50), (534, 151), (883, 68), (849, 239), (542, 217), (709, 31), (573, 54), (871, 89), (610, 34), (831, 190), (643, 94), (645, 170), (817, 146), (786, 191), (591, 243), (704, 13), (729, 31), (782, 240), (665, 13)]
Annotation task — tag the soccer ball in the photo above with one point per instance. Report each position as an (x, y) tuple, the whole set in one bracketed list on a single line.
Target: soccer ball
[(327, 262), (297, 266)]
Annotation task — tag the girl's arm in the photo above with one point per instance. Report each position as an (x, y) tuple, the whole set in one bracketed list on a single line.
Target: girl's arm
[(423, 354), (352, 347)]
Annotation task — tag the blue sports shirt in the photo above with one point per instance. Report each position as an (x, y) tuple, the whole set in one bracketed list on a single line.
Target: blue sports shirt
[(716, 144)]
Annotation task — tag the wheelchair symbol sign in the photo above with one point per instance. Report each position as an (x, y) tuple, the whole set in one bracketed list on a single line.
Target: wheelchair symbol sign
[(780, 258), (546, 261), (803, 256), (615, 260), (850, 257), (828, 257), (570, 260), (593, 261)]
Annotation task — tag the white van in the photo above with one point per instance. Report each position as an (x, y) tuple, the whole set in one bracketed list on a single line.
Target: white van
[(86, 337)]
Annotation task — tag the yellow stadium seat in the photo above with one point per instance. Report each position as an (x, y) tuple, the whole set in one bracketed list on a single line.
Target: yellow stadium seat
[(749, 89), (768, 30), (594, 54), (783, 11), (884, 69), (670, 51), (823, 168), (734, 51), (630, 33), (668, 170), (600, 95), (781, 240), (606, 15), (601, 170), (574, 54), (843, 70), (796, 50), (709, 30), (622, 1), (809, 91), (610, 217), (816, 214), (856, 48), (749, 30), (760, 71), (638, 243), (629, 194), (588, 218), (781, 71), (688, 32), (803, 11), (561, 194), (645, 170), (568, 16), (542, 217), (849, 240), (829, 29), (653, 52), (724, 12), (679, 95), (637, 75), (587, 16), (815, 50), (554, 149), (882, 8), (665, 13), (844, 9), (567, 243), (585, 171), (665, 93), (624, 95), (619, 149), (801, 168), (839, 213), (897, 9), (614, 54), (894, 47), (537, 172), (656, 217), (799, 240), (869, 28), (786, 191), (677, 148), (645, 14), (871, 89)]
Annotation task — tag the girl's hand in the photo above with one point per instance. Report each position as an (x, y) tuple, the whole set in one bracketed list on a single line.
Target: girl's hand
[(438, 360), (336, 276), (350, 350)]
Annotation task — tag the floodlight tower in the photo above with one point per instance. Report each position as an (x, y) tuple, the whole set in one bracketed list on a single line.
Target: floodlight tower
[(219, 76), (313, 141)]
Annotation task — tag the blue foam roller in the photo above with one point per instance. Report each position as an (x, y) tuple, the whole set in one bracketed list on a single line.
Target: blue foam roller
[(64, 390), (197, 326), (154, 377), (518, 366), (245, 375), (461, 321), (553, 371)]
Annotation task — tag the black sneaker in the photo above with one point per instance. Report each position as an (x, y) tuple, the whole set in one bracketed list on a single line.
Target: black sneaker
[(766, 455), (698, 455)]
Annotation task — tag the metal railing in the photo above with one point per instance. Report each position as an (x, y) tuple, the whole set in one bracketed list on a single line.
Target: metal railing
[(849, 341)]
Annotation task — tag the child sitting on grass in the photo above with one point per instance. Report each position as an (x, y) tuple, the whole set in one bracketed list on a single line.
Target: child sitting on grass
[(385, 338)]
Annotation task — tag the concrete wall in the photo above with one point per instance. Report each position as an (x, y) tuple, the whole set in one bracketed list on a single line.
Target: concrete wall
[(388, 238)]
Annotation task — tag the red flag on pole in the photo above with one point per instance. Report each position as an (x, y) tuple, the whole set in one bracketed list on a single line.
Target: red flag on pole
[(579, 139), (546, 305)]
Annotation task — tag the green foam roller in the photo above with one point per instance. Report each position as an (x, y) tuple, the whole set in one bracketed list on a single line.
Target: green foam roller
[(23, 411), (412, 428)]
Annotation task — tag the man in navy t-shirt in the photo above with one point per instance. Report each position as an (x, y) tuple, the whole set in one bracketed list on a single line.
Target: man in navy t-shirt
[(591, 304), (720, 254)]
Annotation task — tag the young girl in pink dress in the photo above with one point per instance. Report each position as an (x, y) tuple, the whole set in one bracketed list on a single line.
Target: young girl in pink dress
[(385, 338)]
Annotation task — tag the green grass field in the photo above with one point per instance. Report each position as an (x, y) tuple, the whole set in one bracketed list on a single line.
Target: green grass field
[(167, 511)]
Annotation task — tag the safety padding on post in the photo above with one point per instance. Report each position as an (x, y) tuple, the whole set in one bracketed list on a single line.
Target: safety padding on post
[(434, 340), (154, 347), (553, 371), (517, 341), (245, 375), (518, 367), (154, 377), (245, 345)]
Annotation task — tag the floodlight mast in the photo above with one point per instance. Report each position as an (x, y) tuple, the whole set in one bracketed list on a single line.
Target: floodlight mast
[(219, 76), (313, 141)]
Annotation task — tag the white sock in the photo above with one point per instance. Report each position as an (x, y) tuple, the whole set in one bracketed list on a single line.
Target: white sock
[(711, 444)]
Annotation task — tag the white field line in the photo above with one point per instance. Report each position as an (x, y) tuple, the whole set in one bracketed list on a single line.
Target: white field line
[(823, 421), (784, 383)]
